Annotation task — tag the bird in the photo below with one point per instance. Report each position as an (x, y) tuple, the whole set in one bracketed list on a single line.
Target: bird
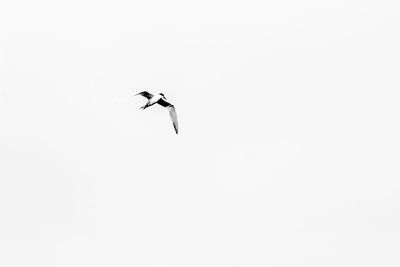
[(162, 101)]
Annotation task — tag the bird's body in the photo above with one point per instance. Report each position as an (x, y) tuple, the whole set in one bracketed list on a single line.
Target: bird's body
[(154, 99), (161, 100)]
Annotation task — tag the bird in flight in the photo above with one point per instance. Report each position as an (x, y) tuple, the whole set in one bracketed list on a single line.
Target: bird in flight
[(161, 100)]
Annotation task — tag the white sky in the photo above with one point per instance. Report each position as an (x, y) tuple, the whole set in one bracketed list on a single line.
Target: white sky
[(288, 152)]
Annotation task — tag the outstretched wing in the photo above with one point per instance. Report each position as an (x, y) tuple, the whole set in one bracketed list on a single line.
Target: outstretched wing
[(145, 94), (172, 113), (174, 117)]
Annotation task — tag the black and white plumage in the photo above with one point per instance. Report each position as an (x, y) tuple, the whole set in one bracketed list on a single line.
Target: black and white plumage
[(161, 100)]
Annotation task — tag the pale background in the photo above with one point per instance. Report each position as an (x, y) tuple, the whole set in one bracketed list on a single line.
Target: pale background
[(288, 152)]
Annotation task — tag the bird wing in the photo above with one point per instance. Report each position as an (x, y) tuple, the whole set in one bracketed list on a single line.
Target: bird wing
[(145, 94), (174, 117), (172, 112)]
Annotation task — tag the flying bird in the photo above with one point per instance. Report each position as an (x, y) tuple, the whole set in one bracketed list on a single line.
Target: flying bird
[(161, 100)]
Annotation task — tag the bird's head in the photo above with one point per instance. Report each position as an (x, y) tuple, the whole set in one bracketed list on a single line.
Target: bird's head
[(163, 96)]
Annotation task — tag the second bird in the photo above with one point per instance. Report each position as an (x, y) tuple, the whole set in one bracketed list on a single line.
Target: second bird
[(161, 100)]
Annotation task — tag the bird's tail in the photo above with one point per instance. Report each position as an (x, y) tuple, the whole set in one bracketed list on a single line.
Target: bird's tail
[(145, 106)]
